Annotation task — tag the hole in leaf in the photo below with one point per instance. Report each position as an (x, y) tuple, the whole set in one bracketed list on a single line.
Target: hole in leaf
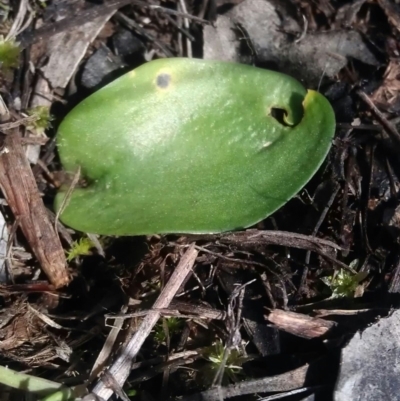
[(279, 115)]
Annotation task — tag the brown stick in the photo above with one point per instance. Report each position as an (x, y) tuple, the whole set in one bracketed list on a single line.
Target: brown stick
[(20, 190), (122, 366), (287, 381), (387, 125), (299, 324)]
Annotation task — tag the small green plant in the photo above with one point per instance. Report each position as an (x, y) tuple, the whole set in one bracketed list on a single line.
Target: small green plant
[(344, 284), (233, 366), (42, 118), (9, 53), (174, 326), (131, 393), (81, 247), (42, 3)]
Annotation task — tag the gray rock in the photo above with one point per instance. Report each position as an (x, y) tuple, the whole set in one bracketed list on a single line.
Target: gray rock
[(125, 43), (309, 59), (100, 65), (370, 364)]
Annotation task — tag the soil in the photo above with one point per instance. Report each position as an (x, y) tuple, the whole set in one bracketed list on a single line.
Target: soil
[(257, 312)]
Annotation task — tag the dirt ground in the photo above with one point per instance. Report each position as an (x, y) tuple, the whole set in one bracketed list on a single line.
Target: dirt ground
[(258, 314)]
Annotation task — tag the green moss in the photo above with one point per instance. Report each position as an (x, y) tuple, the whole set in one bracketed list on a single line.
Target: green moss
[(81, 247), (9, 53)]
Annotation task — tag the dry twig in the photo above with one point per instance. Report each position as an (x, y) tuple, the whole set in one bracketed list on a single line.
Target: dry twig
[(20, 190), (299, 324), (122, 366), (387, 125), (284, 382)]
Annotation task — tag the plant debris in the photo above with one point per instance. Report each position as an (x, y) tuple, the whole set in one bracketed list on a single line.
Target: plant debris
[(287, 308)]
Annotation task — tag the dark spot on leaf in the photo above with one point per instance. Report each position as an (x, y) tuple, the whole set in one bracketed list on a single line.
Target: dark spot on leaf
[(163, 80)]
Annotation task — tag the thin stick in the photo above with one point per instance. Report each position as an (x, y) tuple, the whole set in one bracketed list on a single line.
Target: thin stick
[(18, 25), (67, 197), (287, 381), (287, 393), (131, 24), (387, 125), (173, 12), (16, 124), (180, 29), (107, 347), (314, 233), (187, 27), (122, 366)]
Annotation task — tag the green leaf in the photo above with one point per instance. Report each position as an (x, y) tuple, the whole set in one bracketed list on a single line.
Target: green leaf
[(41, 387), (191, 146)]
